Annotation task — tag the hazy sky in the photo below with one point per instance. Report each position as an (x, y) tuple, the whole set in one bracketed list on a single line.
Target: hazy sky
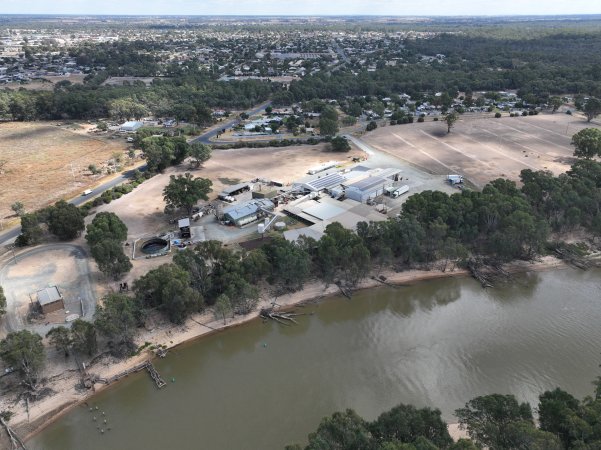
[(302, 7)]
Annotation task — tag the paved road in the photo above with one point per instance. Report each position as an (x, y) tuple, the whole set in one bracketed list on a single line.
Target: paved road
[(9, 235), (340, 52), (206, 137)]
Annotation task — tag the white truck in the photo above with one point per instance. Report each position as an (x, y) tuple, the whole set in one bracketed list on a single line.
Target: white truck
[(400, 191), (396, 192)]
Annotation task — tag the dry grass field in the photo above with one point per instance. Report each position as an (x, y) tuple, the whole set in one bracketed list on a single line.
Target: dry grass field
[(43, 162), (484, 149)]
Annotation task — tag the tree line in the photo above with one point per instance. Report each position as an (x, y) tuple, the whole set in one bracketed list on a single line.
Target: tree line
[(187, 96), (497, 422), (552, 64)]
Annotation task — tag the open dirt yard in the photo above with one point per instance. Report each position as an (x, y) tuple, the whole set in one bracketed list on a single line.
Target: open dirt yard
[(63, 265), (142, 209), (484, 149), (41, 162)]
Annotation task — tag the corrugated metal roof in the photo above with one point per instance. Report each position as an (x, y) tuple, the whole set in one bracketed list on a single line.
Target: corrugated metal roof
[(48, 295), (389, 172), (323, 211), (329, 181), (131, 125), (236, 212), (183, 222), (369, 183), (236, 187)]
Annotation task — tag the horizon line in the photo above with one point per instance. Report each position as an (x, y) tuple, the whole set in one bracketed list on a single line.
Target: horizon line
[(298, 15)]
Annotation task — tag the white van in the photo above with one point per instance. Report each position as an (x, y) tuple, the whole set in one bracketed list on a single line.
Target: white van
[(86, 192)]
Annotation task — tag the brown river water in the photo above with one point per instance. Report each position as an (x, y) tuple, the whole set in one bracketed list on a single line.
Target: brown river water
[(436, 343)]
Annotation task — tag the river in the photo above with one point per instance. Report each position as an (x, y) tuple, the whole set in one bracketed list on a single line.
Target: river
[(437, 343)]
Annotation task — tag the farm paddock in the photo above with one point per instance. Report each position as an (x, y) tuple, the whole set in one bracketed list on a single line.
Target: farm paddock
[(484, 149)]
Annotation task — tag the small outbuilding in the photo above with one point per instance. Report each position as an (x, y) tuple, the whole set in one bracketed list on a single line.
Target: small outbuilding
[(235, 189), (50, 300), (184, 227)]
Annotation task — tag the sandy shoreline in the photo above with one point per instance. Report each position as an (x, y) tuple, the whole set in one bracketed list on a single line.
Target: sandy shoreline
[(43, 413)]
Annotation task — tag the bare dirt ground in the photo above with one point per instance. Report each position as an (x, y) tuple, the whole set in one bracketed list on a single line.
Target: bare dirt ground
[(142, 209), (44, 162), (484, 149), (63, 265)]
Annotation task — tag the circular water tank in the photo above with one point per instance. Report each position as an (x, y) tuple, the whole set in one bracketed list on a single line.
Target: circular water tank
[(261, 228), (280, 225), (155, 245)]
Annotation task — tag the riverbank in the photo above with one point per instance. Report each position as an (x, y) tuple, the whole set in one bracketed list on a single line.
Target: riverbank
[(66, 396)]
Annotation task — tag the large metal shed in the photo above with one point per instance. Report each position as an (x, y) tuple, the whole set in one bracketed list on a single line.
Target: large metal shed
[(366, 188), (248, 212)]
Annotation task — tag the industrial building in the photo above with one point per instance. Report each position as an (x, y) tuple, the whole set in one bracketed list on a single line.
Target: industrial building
[(130, 127), (359, 183), (50, 300), (245, 213), (320, 183), (366, 188), (346, 194), (371, 185), (318, 213)]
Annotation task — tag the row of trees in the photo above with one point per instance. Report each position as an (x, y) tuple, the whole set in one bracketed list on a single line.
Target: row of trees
[(105, 236), (497, 422), (2, 302), (161, 152), (187, 96), (63, 220)]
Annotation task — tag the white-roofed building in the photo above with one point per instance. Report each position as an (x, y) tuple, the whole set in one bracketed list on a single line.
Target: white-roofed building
[(248, 212), (131, 127)]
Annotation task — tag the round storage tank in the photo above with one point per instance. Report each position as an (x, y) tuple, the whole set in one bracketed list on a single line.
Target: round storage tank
[(280, 225), (155, 245), (261, 228)]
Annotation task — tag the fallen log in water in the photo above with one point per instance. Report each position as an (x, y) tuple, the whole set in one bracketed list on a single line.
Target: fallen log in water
[(572, 259), (14, 439), (346, 293), (382, 279), (474, 268), (280, 317)]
